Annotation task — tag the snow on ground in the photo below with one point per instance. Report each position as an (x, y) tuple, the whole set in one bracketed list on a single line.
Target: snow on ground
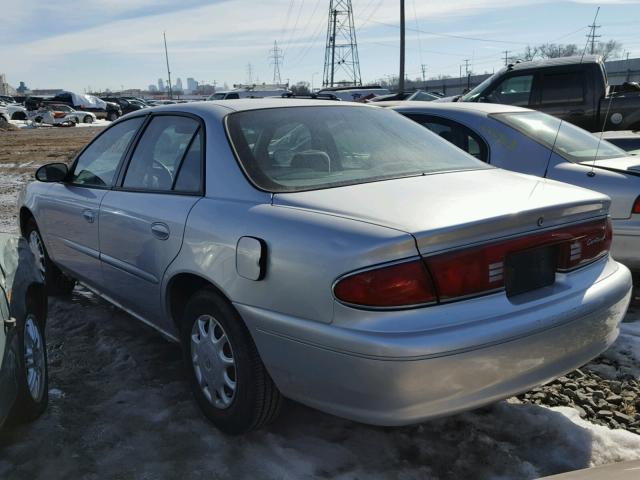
[(120, 408), (28, 124)]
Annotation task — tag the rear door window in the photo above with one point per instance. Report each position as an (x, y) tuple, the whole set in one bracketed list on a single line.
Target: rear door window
[(462, 137), (97, 165), (155, 162), (562, 88)]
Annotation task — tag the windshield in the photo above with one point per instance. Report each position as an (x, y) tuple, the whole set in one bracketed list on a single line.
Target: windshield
[(572, 143), (309, 148), (473, 95)]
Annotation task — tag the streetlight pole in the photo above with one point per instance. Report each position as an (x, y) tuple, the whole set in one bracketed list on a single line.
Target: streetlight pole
[(401, 78)]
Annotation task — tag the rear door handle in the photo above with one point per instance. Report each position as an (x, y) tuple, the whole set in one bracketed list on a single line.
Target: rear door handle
[(89, 215), (160, 230)]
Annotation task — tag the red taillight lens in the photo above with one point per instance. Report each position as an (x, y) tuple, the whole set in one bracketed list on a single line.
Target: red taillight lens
[(588, 242), (636, 206), (400, 285), (469, 272)]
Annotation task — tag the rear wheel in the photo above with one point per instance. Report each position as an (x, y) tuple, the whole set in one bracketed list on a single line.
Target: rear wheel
[(56, 282), (88, 119), (33, 374), (228, 378), (112, 116)]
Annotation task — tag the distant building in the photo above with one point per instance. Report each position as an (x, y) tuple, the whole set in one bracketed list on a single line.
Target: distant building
[(160, 85), (46, 91), (192, 85), (153, 88), (22, 88), (178, 85), (5, 88)]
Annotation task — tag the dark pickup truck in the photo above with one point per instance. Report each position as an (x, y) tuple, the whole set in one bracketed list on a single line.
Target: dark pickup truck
[(574, 89)]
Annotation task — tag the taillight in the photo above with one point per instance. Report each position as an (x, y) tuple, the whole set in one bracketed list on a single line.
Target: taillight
[(400, 285), (471, 271), (636, 206)]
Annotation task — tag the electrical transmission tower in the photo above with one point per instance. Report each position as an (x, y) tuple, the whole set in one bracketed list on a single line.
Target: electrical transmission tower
[(341, 63), (276, 61)]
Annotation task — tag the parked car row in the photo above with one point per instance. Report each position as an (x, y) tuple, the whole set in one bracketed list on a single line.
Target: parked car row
[(342, 254)]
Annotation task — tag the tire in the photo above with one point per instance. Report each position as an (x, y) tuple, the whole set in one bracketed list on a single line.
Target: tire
[(87, 119), (33, 372), (255, 400), (112, 116), (56, 282)]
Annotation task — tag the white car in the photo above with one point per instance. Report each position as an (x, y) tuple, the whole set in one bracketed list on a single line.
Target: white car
[(73, 114), (15, 111)]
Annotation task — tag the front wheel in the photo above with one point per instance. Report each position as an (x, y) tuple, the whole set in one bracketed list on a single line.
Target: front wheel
[(229, 381), (56, 282), (112, 116), (88, 119)]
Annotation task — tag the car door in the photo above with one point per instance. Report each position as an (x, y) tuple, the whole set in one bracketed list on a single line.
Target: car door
[(68, 217), (142, 220), (515, 89)]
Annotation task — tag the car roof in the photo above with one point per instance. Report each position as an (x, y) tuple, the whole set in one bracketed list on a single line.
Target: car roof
[(245, 104), (470, 108), (554, 62)]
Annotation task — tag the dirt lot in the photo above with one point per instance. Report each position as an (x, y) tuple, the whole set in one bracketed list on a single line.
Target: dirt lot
[(22, 151), (120, 409)]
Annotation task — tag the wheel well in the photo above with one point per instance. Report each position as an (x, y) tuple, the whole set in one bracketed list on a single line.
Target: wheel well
[(25, 216), (181, 288), (37, 301)]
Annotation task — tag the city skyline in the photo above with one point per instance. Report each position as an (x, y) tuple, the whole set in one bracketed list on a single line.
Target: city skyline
[(215, 41)]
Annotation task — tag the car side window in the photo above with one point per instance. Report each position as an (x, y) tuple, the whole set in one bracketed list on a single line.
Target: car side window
[(232, 96), (514, 90), (97, 165), (562, 88), (462, 137), (189, 179), (157, 157)]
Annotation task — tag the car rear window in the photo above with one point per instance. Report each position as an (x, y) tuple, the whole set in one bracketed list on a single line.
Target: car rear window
[(570, 142), (308, 148)]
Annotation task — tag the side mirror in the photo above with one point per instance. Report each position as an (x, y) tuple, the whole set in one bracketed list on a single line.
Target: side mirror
[(52, 172)]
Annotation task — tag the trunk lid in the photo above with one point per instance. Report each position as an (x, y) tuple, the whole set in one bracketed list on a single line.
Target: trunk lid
[(449, 210), (629, 165)]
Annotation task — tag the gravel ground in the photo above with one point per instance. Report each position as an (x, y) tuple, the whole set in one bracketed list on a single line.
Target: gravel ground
[(120, 409)]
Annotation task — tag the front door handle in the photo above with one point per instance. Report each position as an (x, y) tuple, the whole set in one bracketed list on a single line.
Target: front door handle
[(89, 215), (160, 230)]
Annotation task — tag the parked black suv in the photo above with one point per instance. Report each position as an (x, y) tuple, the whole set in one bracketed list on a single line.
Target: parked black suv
[(126, 105)]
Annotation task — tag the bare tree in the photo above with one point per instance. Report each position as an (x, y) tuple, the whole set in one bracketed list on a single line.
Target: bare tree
[(609, 49)]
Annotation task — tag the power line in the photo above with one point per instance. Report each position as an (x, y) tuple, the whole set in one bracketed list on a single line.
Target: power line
[(591, 37)]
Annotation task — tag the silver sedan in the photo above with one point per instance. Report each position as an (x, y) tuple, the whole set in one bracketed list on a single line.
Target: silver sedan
[(313, 250), (533, 142)]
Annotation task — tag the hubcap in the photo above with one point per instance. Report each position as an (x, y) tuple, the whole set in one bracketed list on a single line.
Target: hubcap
[(213, 361), (34, 360), (37, 248)]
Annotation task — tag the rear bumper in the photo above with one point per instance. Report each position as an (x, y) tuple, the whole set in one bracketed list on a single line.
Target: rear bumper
[(626, 242), (389, 379)]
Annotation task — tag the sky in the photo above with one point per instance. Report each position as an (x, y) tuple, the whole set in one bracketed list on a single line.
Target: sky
[(98, 44)]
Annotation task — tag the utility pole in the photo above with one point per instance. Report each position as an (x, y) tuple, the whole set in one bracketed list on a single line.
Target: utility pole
[(591, 37), (424, 74), (276, 57), (166, 54), (506, 57), (401, 77), (466, 66), (341, 51)]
